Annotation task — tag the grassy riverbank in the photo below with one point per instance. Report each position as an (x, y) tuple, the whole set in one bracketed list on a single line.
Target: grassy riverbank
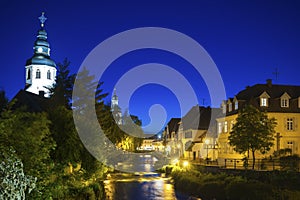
[(240, 185)]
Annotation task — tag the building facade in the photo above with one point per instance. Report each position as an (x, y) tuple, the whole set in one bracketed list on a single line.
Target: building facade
[(194, 135), (279, 101)]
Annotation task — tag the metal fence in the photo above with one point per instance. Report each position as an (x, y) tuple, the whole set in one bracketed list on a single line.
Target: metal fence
[(289, 164)]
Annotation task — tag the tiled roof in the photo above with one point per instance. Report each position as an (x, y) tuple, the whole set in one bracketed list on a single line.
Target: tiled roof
[(173, 125), (251, 95), (200, 118)]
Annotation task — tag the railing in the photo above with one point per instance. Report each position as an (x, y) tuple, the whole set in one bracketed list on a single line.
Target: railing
[(260, 164)]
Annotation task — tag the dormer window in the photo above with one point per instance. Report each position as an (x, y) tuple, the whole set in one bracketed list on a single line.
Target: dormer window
[(298, 102), (284, 100), (223, 107), (236, 105), (264, 99), (284, 103), (230, 107)]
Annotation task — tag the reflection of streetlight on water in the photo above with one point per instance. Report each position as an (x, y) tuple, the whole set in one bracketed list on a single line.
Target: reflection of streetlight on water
[(206, 142)]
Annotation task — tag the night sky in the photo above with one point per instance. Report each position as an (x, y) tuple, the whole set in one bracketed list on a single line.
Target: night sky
[(247, 40)]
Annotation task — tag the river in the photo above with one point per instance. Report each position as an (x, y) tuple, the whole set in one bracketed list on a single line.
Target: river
[(142, 185)]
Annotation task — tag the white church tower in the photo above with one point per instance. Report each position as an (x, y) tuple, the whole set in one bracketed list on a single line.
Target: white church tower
[(116, 111), (40, 69)]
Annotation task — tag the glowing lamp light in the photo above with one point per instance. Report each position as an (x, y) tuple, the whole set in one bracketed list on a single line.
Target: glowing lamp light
[(185, 163)]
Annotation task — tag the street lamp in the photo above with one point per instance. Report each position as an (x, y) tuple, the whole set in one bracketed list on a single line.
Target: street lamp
[(206, 142)]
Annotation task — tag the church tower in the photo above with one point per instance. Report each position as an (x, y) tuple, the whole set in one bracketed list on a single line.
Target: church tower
[(114, 101), (115, 109), (40, 69)]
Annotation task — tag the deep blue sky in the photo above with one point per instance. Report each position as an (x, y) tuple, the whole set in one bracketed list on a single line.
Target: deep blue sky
[(246, 39)]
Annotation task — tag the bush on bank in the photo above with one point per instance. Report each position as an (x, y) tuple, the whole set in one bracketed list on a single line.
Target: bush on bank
[(220, 186)]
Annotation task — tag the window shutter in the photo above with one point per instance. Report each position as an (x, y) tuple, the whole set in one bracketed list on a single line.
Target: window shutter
[(295, 123)]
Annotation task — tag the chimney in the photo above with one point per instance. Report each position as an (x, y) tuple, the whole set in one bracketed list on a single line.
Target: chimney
[(269, 82), (41, 93)]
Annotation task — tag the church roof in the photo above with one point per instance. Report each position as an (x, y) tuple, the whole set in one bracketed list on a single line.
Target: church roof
[(40, 60), (32, 102)]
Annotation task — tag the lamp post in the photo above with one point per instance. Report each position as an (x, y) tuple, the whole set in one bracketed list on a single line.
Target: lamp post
[(206, 142)]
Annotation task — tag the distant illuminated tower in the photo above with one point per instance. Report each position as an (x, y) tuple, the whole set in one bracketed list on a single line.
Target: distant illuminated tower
[(40, 69), (114, 101), (115, 109)]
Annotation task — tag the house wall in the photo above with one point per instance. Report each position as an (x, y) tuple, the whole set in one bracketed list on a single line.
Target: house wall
[(288, 138)]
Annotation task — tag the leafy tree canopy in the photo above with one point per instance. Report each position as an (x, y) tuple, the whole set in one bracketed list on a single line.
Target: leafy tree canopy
[(253, 131)]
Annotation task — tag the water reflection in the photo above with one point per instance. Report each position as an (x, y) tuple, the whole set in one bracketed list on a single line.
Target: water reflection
[(141, 187), (144, 184)]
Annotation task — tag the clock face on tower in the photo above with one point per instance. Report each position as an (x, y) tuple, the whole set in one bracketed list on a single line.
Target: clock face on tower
[(40, 49)]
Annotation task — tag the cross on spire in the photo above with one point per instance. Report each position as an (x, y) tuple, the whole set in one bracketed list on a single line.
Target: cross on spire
[(42, 19)]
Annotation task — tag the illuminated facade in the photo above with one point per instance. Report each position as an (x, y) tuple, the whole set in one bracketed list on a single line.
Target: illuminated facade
[(279, 101)]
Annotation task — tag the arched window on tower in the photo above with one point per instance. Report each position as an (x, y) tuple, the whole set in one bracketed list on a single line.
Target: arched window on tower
[(48, 74), (28, 74), (38, 74)]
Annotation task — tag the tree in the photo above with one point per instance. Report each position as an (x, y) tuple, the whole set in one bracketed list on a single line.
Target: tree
[(3, 100), (253, 131), (28, 134), (61, 91)]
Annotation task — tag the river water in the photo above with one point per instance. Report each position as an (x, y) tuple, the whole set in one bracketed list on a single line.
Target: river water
[(142, 185)]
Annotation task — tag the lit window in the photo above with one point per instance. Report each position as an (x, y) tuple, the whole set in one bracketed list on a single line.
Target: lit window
[(290, 124), (28, 74), (219, 127), (284, 103), (38, 74), (48, 75), (225, 127), (236, 105), (263, 101), (231, 125), (230, 107)]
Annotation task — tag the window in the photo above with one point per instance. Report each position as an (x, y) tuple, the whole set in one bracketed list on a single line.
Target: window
[(231, 124), (48, 75), (290, 145), (38, 74), (284, 103), (290, 124), (219, 127), (230, 107), (225, 127), (29, 74), (236, 105), (263, 101), (188, 134)]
